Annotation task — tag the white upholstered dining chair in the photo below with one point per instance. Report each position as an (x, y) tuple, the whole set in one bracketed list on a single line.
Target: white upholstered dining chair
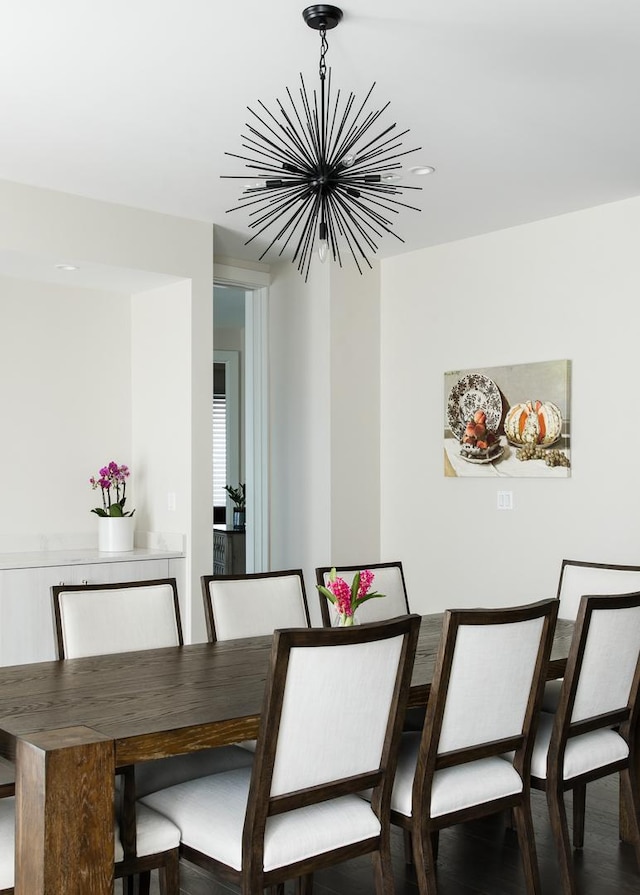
[(592, 733), (484, 702), (7, 844), (578, 578), (100, 619), (255, 604), (95, 620), (329, 729), (156, 847), (388, 580)]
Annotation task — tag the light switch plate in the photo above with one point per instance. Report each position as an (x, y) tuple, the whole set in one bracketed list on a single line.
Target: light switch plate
[(505, 500)]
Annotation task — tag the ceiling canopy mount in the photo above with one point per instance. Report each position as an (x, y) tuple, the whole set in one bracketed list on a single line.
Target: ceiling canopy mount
[(322, 16)]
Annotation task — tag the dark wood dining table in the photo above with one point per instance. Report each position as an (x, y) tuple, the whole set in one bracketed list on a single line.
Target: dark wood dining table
[(69, 724)]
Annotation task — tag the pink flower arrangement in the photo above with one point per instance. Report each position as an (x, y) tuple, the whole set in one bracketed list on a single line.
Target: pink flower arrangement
[(112, 476), (347, 598)]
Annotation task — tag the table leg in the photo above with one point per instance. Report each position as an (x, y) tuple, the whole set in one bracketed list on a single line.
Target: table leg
[(64, 813)]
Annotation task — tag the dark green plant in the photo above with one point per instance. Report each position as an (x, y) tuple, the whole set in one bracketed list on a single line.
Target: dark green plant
[(237, 495)]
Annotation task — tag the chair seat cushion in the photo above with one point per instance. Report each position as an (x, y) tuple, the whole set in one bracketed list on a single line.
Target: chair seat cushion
[(154, 833), (154, 775), (551, 696), (210, 813), (7, 842), (453, 788), (584, 753)]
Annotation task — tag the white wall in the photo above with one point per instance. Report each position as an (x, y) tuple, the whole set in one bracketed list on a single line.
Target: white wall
[(325, 419), (161, 377), (60, 227), (567, 287), (299, 399), (355, 416), (65, 369)]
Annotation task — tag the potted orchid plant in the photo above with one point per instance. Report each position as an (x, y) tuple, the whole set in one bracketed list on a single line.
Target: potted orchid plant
[(111, 477), (346, 599), (115, 525)]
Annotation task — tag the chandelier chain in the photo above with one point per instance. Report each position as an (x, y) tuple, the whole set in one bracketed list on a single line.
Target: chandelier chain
[(324, 46)]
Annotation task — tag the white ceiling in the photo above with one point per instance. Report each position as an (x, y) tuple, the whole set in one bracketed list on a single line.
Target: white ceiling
[(526, 109)]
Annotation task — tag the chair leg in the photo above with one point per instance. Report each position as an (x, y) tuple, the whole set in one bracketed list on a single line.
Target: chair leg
[(169, 875), (304, 884), (128, 885), (408, 846), (382, 872), (425, 861), (631, 800), (560, 829), (435, 845), (579, 804), (144, 883), (526, 840)]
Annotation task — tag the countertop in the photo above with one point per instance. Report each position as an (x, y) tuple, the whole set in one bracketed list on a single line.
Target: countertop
[(36, 559)]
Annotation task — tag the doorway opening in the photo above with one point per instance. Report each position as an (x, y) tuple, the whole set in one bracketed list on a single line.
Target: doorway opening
[(240, 424)]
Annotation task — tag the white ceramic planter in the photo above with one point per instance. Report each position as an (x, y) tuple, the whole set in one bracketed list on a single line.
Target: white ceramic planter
[(115, 534)]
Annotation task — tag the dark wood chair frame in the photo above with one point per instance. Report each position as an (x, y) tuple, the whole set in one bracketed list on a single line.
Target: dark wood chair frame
[(57, 589), (614, 567), (167, 863), (323, 570), (252, 878), (626, 722), (423, 829), (206, 594)]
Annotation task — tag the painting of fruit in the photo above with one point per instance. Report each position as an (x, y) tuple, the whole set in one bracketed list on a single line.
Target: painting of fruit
[(508, 421), (476, 433), (536, 422)]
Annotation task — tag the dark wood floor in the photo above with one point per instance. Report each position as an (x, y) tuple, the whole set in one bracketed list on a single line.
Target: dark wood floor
[(483, 859)]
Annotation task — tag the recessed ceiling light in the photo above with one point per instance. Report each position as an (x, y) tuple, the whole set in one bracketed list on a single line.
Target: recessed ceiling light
[(422, 170), (66, 267)]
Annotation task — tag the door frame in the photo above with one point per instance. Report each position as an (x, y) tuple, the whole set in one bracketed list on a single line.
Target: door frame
[(256, 286)]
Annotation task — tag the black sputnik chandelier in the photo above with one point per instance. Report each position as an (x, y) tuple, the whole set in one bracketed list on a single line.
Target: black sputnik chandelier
[(325, 174)]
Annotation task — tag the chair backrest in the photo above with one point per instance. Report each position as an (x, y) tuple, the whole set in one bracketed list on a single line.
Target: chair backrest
[(253, 605), (96, 619), (487, 687), (332, 716), (600, 686), (388, 580), (579, 578)]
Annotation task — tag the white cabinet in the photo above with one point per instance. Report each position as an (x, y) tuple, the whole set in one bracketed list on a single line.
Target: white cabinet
[(26, 620), (26, 615)]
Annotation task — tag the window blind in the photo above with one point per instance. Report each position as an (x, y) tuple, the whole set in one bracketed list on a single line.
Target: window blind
[(219, 450)]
